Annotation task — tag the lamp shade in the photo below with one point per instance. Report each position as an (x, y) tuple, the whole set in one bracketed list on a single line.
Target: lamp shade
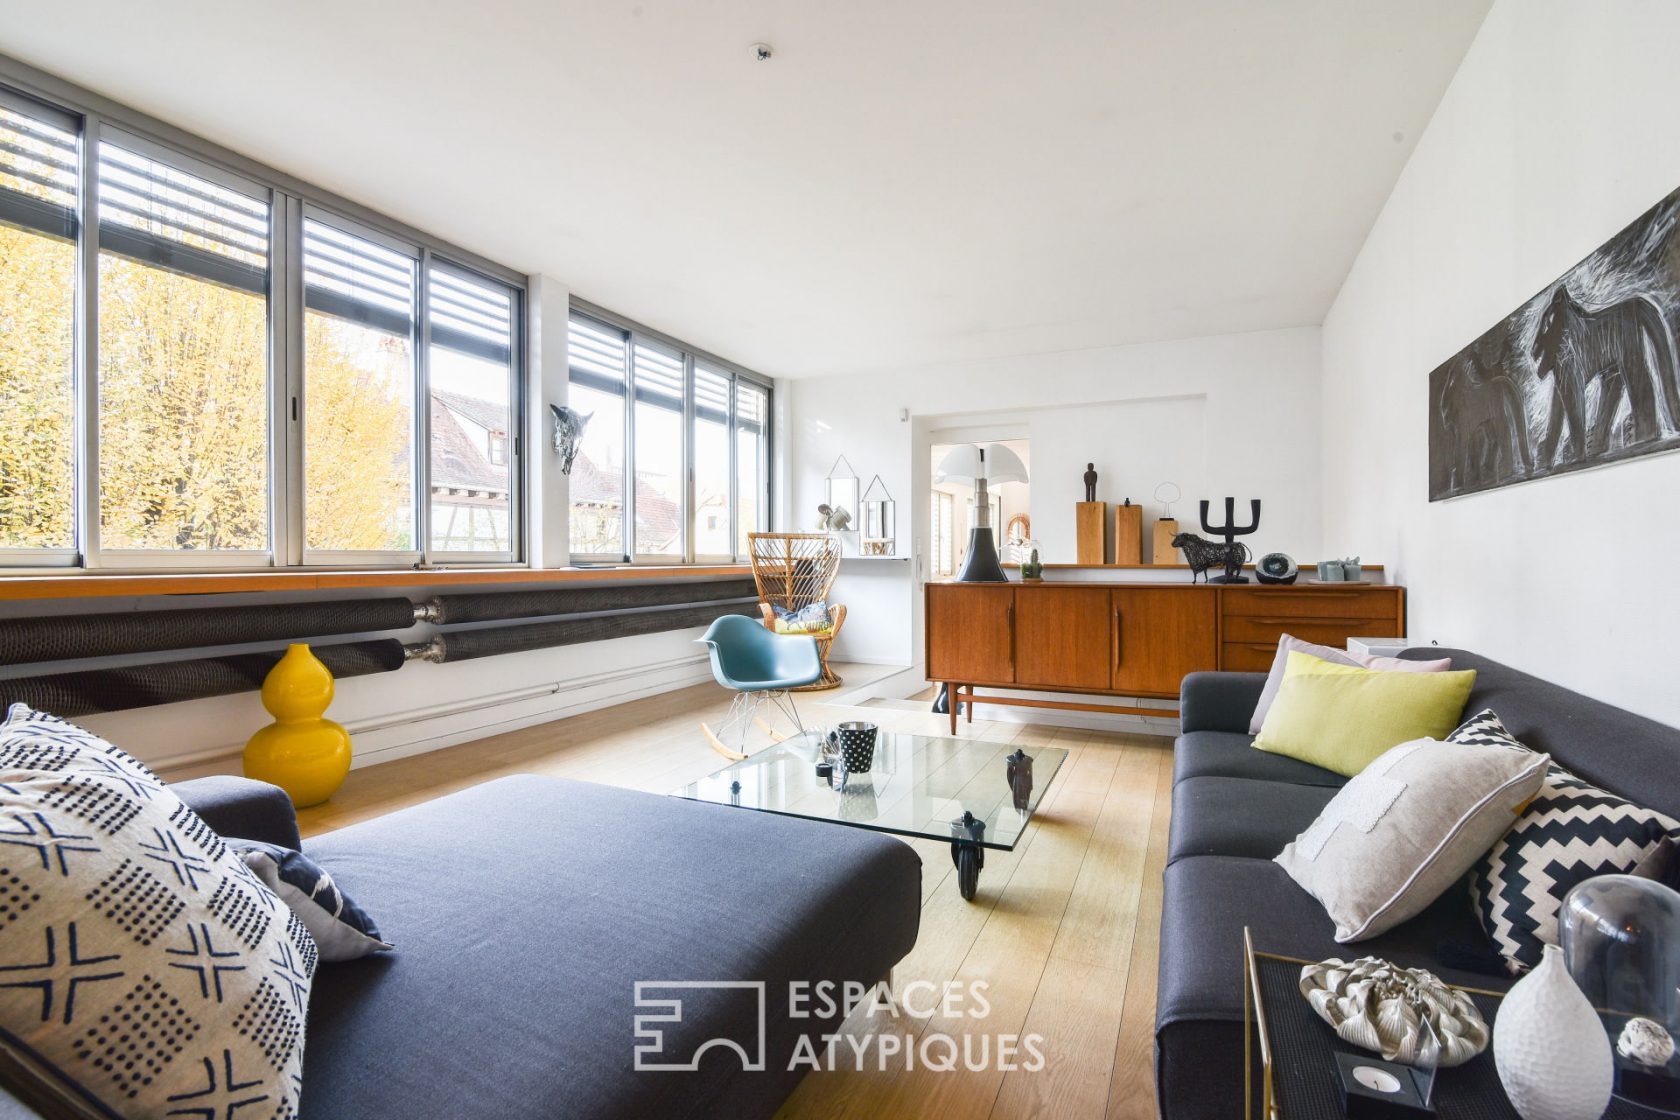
[(972, 462)]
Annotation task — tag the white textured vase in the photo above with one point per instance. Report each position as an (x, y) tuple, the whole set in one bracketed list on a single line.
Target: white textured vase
[(1550, 1048)]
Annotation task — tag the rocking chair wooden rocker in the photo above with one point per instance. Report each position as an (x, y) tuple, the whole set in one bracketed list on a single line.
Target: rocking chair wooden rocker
[(794, 573)]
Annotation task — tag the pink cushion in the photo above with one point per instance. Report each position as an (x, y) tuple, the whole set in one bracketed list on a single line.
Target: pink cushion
[(1289, 643)]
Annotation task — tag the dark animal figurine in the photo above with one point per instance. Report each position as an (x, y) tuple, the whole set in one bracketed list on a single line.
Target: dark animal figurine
[(1202, 554), (1481, 411), (1627, 347)]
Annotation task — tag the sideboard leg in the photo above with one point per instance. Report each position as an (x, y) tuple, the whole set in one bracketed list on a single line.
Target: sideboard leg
[(952, 703)]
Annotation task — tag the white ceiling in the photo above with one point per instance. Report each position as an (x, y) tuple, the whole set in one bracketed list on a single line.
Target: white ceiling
[(905, 182)]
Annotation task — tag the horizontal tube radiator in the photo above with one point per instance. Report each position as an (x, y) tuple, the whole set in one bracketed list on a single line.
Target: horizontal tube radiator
[(468, 644), (140, 686), (24, 641), (448, 610)]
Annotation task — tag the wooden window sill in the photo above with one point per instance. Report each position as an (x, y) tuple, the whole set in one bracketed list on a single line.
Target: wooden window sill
[(84, 585)]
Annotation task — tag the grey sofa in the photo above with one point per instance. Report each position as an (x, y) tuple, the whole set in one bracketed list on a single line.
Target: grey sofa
[(1234, 808), (525, 910)]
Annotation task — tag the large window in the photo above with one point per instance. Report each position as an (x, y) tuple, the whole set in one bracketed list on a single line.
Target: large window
[(359, 376), (230, 369), (39, 216), (183, 358), (676, 447), (470, 371)]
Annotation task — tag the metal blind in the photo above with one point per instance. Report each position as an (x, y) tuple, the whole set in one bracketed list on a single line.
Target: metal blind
[(169, 218), (751, 406), (595, 354), (659, 375), (357, 279), (711, 393), (37, 172), (470, 315)]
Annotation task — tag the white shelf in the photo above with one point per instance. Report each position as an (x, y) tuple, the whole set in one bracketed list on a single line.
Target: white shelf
[(876, 559)]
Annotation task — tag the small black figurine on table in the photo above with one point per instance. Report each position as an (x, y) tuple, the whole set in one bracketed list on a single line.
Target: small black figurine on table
[(1090, 482)]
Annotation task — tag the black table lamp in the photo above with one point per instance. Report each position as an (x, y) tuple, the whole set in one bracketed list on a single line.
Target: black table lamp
[(980, 465)]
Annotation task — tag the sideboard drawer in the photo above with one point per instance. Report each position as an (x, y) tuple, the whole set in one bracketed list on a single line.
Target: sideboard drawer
[(1247, 657), (1323, 631), (1317, 602)]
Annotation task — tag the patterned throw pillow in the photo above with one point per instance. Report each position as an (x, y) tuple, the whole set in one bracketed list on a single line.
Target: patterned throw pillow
[(342, 930), (810, 619), (1571, 832), (144, 970)]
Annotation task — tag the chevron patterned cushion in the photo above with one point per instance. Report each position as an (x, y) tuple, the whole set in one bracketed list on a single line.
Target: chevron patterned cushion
[(144, 970), (1571, 832)]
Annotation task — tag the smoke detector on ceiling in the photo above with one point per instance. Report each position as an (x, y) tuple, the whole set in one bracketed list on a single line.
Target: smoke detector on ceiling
[(762, 52)]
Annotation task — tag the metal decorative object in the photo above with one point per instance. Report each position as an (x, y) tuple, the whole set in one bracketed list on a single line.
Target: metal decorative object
[(569, 424), (1584, 373), (880, 520), (1275, 567), (1202, 554), (1380, 1006), (1231, 531), (841, 507)]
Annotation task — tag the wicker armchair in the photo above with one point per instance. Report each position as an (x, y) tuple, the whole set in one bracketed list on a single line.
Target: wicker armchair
[(794, 571)]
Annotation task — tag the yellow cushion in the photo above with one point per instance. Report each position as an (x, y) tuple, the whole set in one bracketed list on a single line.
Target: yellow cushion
[(1341, 717)]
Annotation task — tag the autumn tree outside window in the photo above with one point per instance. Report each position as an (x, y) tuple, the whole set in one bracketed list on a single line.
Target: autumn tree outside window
[(223, 369)]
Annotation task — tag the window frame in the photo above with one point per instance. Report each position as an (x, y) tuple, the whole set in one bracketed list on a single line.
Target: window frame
[(24, 102), (95, 118), (632, 331), (90, 528)]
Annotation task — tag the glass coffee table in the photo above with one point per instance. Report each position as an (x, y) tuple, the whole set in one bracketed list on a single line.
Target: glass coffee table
[(977, 795)]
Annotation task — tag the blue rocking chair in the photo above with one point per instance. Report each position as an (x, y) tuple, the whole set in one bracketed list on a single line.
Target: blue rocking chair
[(759, 666)]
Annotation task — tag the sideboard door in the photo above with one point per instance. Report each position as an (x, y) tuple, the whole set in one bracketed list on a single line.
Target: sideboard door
[(1062, 637), (1160, 634), (970, 633)]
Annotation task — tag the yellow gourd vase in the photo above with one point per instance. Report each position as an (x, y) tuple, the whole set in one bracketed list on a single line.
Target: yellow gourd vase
[(301, 752)]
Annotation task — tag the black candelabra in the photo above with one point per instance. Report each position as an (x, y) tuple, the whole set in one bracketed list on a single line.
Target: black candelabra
[(1234, 553)]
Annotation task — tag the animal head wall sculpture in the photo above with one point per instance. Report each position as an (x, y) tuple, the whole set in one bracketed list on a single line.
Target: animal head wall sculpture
[(569, 424)]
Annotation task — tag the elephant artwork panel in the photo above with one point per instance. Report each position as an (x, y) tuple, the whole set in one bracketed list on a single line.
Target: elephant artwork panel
[(1585, 373)]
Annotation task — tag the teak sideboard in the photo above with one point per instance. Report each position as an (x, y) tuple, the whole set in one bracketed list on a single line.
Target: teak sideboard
[(1130, 639)]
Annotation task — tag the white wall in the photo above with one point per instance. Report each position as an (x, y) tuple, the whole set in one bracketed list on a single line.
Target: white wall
[(1233, 414), (1557, 131)]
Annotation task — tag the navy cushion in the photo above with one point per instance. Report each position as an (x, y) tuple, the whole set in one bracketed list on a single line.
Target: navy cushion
[(1240, 817), (527, 909), (1231, 754), (342, 930)]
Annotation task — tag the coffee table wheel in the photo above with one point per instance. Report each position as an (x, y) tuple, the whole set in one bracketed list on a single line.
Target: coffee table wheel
[(967, 854), (968, 859)]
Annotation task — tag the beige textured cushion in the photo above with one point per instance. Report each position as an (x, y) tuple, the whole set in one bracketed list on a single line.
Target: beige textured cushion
[(1408, 827), (1290, 644)]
